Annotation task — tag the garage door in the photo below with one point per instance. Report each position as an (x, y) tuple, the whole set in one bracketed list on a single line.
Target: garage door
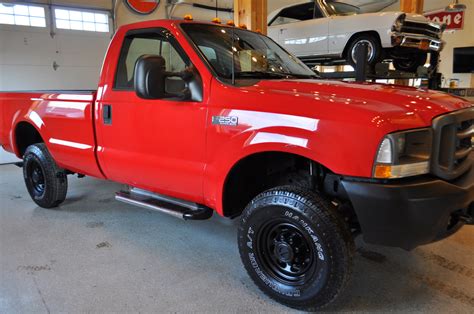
[(57, 48)]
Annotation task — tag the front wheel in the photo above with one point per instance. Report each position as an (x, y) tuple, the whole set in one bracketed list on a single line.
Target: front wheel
[(45, 181), (374, 49), (295, 247)]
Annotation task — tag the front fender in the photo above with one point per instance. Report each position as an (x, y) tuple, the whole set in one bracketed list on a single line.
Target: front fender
[(287, 140), (348, 26)]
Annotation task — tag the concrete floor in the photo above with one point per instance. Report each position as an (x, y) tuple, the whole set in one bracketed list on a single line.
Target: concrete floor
[(97, 255)]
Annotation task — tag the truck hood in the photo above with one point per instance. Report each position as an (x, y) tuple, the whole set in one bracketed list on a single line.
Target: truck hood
[(400, 106)]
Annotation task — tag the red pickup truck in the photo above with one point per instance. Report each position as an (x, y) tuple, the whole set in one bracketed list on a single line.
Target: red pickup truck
[(196, 118)]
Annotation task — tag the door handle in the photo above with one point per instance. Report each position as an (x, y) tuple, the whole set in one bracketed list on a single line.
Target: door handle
[(107, 114)]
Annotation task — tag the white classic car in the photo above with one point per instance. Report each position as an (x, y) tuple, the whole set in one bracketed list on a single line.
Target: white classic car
[(323, 31)]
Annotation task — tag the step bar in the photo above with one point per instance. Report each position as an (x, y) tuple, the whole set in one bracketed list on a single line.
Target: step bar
[(164, 204)]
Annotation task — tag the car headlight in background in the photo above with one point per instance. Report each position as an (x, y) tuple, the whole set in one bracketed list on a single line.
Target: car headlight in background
[(397, 26), (404, 154)]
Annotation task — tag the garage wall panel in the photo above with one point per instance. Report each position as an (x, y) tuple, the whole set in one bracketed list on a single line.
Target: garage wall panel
[(31, 58), (27, 55)]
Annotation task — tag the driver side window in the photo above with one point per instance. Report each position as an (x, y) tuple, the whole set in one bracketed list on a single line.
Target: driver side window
[(135, 46)]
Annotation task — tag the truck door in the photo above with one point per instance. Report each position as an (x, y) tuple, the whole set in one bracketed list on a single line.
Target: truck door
[(301, 29), (156, 145)]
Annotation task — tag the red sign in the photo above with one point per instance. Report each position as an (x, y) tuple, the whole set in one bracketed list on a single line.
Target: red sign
[(453, 20), (143, 6)]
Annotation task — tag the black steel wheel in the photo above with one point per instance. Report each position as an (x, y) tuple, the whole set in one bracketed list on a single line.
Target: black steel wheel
[(35, 177), (286, 251), (45, 181), (295, 247)]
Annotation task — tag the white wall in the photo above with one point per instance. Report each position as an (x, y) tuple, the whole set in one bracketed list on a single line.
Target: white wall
[(125, 16), (461, 38)]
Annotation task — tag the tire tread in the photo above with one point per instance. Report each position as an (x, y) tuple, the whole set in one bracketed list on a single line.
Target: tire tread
[(317, 208)]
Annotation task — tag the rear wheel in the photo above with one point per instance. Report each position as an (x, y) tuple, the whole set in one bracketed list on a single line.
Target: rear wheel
[(410, 63), (295, 248), (45, 181)]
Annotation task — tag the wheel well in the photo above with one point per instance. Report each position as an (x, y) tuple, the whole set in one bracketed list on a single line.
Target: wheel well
[(26, 135), (356, 35), (259, 172)]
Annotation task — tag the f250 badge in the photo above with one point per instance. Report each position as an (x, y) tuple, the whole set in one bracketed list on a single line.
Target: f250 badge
[(223, 120)]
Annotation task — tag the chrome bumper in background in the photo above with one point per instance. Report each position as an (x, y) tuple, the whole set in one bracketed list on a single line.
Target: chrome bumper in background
[(417, 41)]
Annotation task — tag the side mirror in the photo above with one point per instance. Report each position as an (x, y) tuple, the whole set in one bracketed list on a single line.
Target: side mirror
[(150, 76), (153, 82)]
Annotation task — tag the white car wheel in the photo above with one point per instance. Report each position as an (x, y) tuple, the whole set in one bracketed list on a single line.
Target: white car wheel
[(374, 49), (370, 50)]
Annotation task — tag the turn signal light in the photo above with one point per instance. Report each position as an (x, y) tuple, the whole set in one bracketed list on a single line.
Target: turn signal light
[(383, 172), (188, 17), (216, 20)]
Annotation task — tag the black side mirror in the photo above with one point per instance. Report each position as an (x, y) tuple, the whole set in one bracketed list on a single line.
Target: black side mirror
[(150, 76), (153, 82)]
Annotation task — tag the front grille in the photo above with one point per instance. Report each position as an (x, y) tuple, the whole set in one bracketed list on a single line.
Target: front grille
[(452, 146), (421, 29)]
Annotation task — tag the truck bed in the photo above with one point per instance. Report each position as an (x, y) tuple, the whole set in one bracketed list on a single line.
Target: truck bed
[(64, 118)]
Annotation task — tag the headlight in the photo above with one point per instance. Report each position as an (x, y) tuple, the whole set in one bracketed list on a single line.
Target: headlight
[(404, 154), (397, 26)]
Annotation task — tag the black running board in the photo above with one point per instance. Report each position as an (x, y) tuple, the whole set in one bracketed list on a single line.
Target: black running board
[(171, 206)]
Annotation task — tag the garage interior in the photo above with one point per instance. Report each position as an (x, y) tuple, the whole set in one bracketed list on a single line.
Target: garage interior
[(94, 254)]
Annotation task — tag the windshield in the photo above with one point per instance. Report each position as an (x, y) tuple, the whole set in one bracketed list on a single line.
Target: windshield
[(254, 55), (339, 8)]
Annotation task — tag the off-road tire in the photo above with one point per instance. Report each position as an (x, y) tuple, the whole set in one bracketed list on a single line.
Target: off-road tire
[(45, 181), (314, 221)]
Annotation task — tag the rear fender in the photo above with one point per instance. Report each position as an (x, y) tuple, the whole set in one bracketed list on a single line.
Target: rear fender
[(32, 118)]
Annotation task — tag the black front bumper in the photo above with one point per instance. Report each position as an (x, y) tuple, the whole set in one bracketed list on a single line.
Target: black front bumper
[(411, 213)]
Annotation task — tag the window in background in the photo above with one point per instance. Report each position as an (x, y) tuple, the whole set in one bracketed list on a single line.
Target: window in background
[(19, 14), (82, 20)]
